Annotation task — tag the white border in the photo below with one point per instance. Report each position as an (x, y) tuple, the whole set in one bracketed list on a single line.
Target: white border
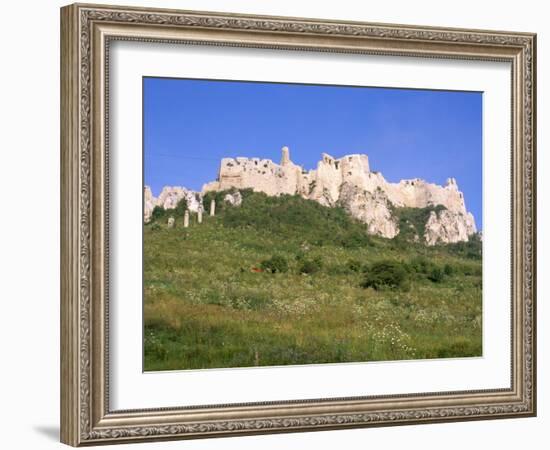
[(130, 388)]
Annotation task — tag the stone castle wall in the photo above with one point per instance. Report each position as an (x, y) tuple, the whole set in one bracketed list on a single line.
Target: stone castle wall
[(324, 183), (347, 182)]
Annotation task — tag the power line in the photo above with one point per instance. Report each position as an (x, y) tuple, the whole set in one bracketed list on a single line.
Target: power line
[(185, 157)]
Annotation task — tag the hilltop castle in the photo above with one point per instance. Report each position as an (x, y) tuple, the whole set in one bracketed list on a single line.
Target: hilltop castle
[(347, 182)]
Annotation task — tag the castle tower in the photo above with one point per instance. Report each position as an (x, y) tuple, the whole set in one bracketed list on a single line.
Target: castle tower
[(285, 156)]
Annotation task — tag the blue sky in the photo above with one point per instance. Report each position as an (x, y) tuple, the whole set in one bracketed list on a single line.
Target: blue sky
[(189, 125)]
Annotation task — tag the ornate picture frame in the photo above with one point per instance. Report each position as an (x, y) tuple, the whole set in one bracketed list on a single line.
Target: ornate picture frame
[(87, 31)]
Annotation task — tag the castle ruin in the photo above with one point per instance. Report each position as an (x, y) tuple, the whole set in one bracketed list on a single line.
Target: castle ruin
[(347, 182)]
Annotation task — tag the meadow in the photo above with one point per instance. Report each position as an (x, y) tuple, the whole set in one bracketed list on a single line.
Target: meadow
[(283, 280)]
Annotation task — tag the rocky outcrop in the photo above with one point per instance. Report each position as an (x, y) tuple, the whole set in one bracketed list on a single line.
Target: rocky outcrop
[(349, 182), (233, 198), (372, 208), (149, 203), (170, 196), (446, 226), (169, 199)]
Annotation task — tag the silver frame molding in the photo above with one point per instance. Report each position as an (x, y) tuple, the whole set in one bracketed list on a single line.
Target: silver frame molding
[(86, 31)]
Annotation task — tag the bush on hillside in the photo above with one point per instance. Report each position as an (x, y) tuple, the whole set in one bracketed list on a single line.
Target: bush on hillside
[(275, 264), (472, 249), (436, 275), (354, 239), (300, 255), (449, 270), (293, 217), (386, 274), (310, 266), (181, 207), (421, 265), (353, 265), (430, 270), (158, 213)]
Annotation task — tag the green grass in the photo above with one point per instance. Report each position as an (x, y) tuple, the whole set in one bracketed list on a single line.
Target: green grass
[(208, 302)]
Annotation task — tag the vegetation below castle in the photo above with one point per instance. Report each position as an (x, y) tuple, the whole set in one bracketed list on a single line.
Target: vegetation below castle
[(283, 280)]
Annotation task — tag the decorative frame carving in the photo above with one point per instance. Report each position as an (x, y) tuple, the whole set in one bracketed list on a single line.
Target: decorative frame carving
[(86, 31)]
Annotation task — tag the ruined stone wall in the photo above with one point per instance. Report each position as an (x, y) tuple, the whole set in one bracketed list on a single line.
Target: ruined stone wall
[(262, 175), (418, 193), (324, 184), (347, 182)]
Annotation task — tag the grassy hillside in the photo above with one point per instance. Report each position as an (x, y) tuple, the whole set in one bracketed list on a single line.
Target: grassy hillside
[(283, 280)]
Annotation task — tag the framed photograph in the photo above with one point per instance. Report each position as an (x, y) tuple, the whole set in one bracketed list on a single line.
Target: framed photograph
[(276, 224)]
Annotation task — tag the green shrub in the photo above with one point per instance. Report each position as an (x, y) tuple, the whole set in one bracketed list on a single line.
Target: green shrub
[(354, 239), (293, 217), (353, 265), (275, 264), (472, 249), (470, 269), (386, 274), (155, 227), (300, 255), (217, 197), (449, 270), (310, 266), (181, 207), (158, 213), (436, 275), (421, 265)]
